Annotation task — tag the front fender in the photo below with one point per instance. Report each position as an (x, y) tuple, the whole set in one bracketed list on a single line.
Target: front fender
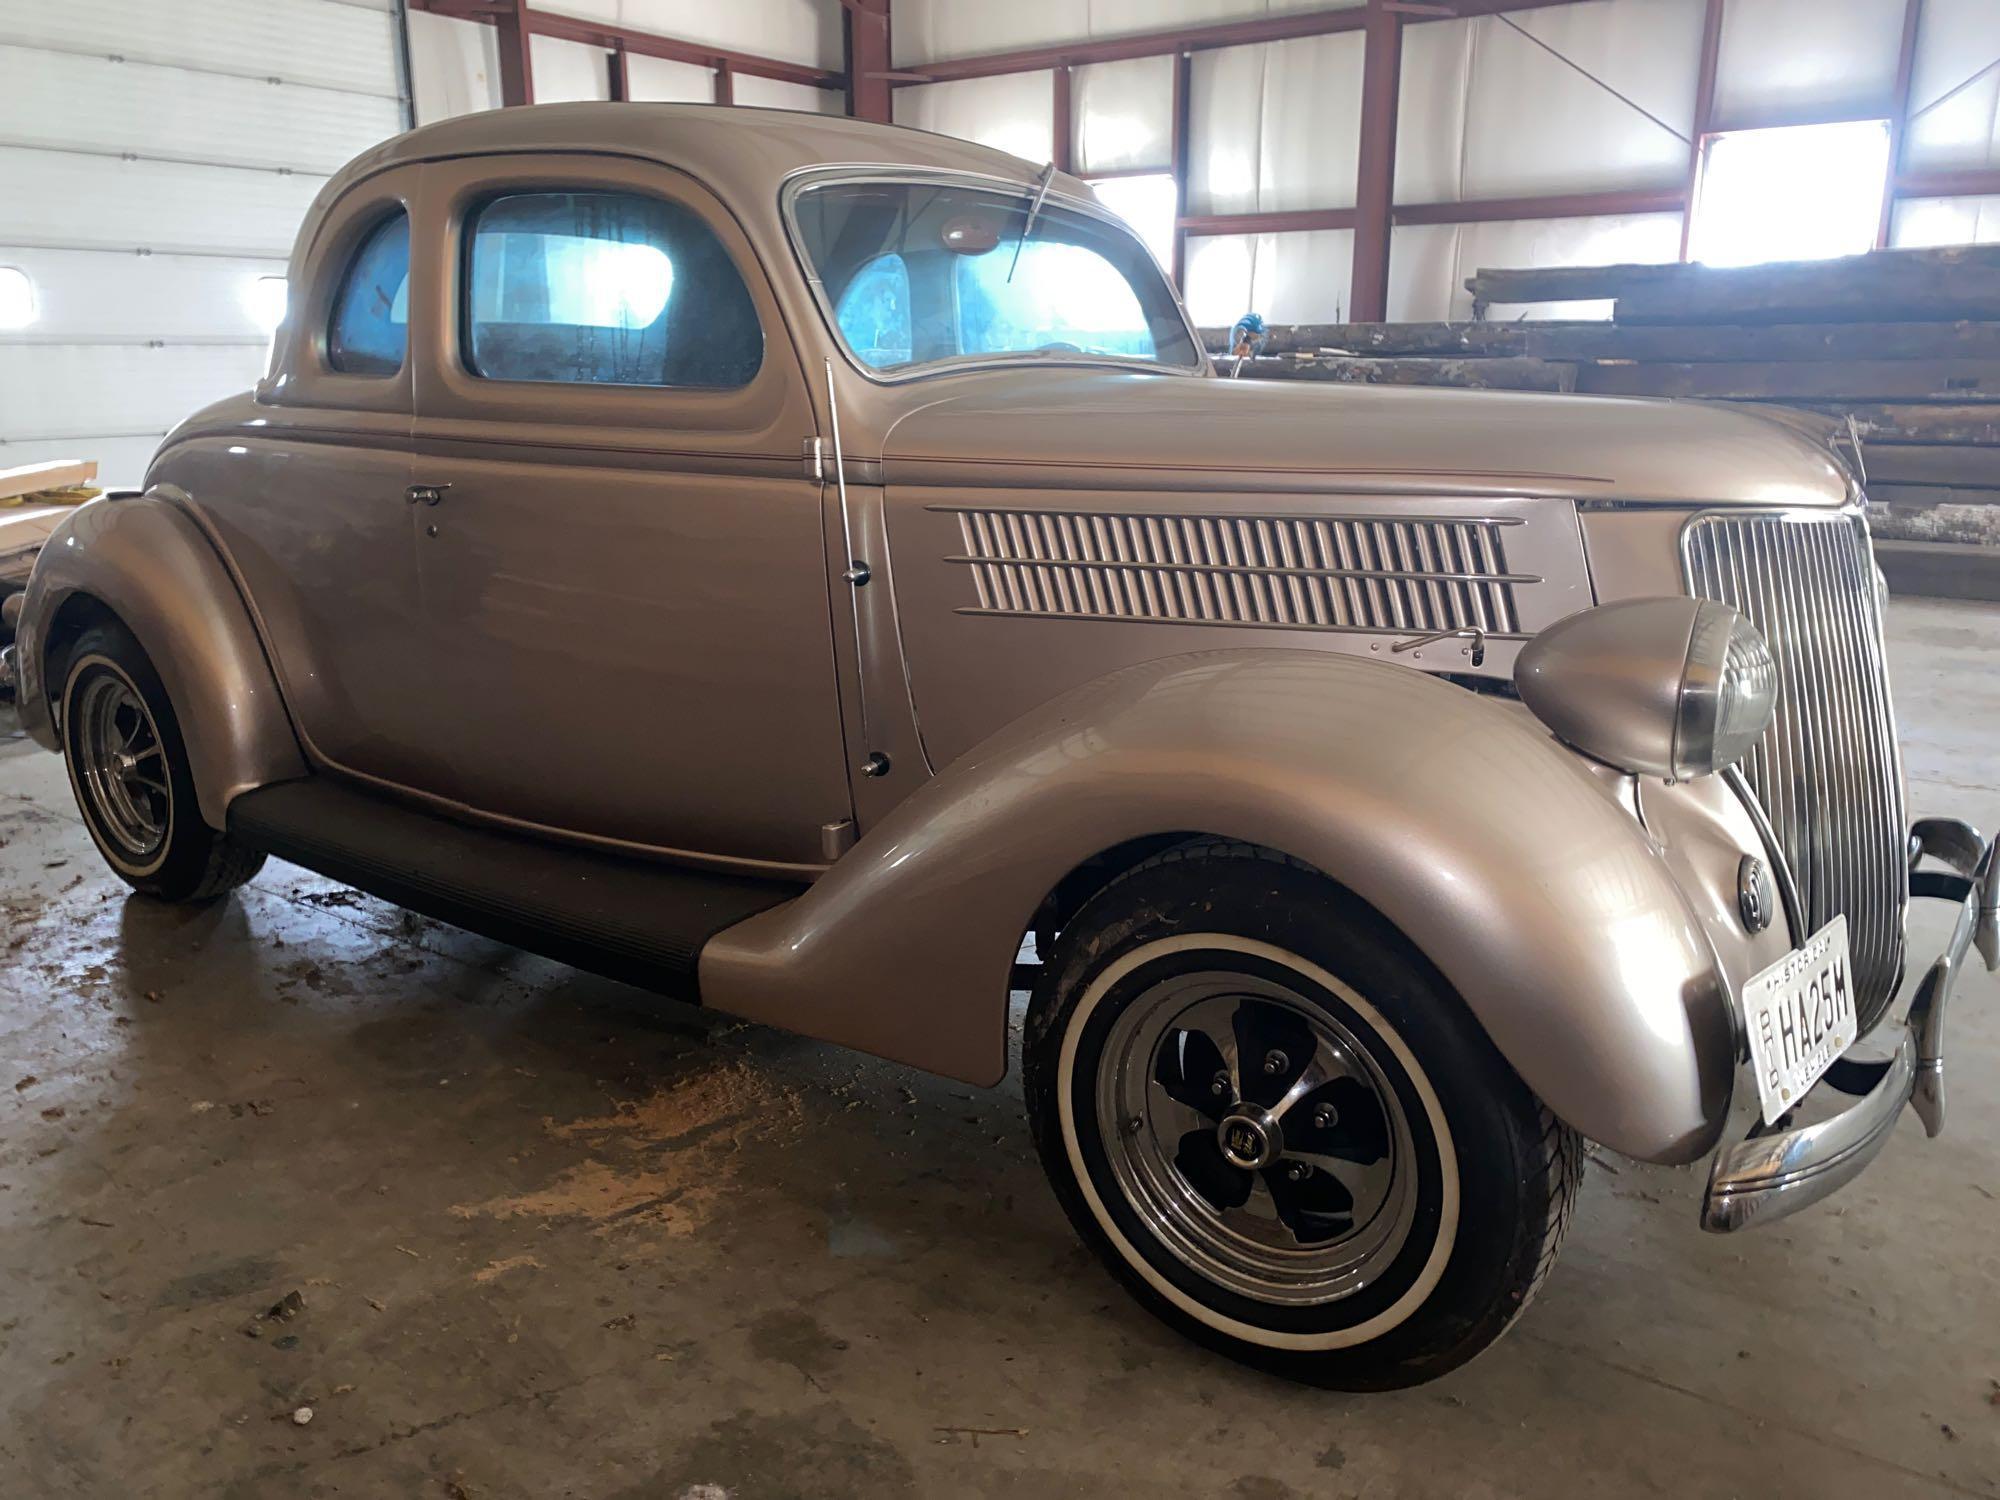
[(1491, 847), (143, 559)]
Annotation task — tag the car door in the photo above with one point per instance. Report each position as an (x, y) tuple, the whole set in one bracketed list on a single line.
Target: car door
[(310, 500), (623, 569)]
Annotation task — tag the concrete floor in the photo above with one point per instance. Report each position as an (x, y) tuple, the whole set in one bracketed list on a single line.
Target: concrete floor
[(554, 1238)]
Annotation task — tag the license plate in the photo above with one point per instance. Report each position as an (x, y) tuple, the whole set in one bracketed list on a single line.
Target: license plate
[(1800, 1015)]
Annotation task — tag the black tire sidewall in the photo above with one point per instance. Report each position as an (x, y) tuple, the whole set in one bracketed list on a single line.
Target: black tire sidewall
[(183, 858), (1494, 1124)]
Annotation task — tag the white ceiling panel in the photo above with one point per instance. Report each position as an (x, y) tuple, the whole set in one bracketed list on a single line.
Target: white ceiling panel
[(1225, 131), (926, 30), (454, 67), (1312, 123), (63, 390), (1793, 60), (1013, 112), (301, 41), (67, 102), (802, 31), (53, 198), (1287, 278), (1923, 222), (100, 295)]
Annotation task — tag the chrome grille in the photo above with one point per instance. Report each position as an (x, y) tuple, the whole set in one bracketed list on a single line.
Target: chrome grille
[(1359, 573), (1827, 770)]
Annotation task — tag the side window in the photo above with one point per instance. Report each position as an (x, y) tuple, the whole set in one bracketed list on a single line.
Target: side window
[(874, 313), (605, 289), (369, 332)]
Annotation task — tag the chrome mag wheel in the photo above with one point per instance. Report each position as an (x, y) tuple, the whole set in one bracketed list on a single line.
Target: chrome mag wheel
[(120, 764), (1260, 1140)]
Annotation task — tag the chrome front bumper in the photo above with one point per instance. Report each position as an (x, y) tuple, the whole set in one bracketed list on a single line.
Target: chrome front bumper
[(1779, 1172)]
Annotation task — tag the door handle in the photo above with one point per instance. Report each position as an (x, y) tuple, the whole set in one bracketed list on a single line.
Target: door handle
[(426, 494)]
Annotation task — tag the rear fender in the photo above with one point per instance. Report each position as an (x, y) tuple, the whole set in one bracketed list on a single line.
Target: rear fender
[(1491, 847), (148, 563)]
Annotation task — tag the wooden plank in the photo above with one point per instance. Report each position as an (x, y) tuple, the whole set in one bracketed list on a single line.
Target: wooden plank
[(1651, 285), (1940, 570), (1962, 282), (1957, 380), (60, 474), (1886, 424), (1598, 340), (1464, 374), (1940, 466)]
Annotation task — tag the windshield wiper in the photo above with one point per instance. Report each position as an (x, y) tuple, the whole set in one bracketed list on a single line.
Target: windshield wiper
[(1028, 226)]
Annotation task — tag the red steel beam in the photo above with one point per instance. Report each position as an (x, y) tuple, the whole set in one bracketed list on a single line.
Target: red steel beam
[(621, 76), (1472, 211), (609, 37), (868, 65), (1286, 221), (1375, 181), (1899, 116), (517, 62), (1063, 123), (1969, 182), (1704, 113), (725, 82)]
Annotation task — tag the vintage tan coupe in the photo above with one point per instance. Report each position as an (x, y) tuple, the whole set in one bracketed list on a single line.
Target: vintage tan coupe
[(794, 563)]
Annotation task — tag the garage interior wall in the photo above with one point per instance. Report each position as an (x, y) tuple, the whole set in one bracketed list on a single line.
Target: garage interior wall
[(155, 161), (157, 155)]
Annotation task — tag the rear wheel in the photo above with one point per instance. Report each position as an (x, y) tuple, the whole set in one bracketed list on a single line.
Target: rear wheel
[(128, 769), (1281, 1129)]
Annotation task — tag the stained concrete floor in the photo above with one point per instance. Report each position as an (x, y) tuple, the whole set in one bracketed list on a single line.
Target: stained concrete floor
[(554, 1238)]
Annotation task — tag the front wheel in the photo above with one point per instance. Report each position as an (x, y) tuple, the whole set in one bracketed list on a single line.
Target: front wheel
[(1283, 1131), (128, 767)]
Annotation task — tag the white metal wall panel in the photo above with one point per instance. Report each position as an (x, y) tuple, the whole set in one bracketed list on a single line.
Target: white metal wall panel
[(92, 296), (776, 93), (1535, 124), (802, 31), (1950, 126), (1275, 127), (62, 101), (196, 134), (300, 41), (1289, 278), (569, 72), (1311, 125), (1945, 221), (55, 198), (1428, 264), (454, 67), (927, 30), (1430, 115), (1013, 112), (73, 391), (658, 80), (1785, 61), (1124, 115)]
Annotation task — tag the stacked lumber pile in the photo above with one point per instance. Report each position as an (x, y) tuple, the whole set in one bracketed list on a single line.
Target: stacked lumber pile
[(1905, 343), (32, 500)]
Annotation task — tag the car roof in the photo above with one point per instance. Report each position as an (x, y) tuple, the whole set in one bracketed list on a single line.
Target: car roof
[(719, 144)]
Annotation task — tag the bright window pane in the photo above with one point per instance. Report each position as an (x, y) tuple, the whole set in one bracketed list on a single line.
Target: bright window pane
[(1799, 192), (1147, 204), (1062, 298), (874, 313), (606, 289), (370, 331)]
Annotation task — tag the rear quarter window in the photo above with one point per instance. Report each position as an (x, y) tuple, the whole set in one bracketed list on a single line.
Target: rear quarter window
[(368, 332), (595, 288)]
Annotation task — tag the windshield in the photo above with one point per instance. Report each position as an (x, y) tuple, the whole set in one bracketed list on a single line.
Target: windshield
[(918, 273)]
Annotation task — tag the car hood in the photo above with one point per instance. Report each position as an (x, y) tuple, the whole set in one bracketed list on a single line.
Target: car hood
[(1096, 429)]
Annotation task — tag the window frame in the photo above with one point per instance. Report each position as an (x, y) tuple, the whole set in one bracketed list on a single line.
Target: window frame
[(796, 184), (466, 246)]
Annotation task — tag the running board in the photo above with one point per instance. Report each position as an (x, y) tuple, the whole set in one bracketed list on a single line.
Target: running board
[(635, 920)]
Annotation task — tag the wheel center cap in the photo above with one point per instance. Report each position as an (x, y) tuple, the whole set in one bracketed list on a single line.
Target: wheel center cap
[(1250, 1137)]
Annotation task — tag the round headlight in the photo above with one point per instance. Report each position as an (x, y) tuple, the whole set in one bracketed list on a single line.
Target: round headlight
[(1661, 687)]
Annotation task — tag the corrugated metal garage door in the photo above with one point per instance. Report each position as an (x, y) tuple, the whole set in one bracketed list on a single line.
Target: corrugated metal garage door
[(156, 157)]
